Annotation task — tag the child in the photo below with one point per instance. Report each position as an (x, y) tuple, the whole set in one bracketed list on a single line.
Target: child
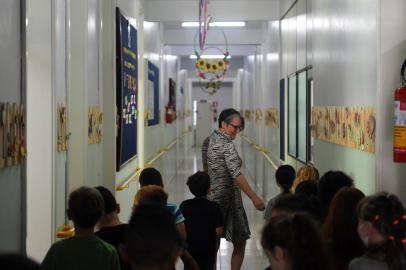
[(284, 175), (153, 241), (151, 176), (204, 223), (293, 242), (381, 227), (111, 229), (84, 250), (151, 194)]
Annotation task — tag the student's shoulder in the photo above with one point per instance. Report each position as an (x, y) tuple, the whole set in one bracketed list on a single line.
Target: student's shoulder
[(103, 245)]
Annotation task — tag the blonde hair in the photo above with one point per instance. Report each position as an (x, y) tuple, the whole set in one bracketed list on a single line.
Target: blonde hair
[(306, 173)]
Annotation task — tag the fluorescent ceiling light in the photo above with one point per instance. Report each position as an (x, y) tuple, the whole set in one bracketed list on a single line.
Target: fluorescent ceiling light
[(227, 24), (215, 24), (210, 56)]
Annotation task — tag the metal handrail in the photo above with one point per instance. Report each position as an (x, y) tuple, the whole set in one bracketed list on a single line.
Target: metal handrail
[(126, 183), (260, 149)]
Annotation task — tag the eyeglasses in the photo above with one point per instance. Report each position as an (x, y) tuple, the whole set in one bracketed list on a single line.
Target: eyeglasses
[(239, 128)]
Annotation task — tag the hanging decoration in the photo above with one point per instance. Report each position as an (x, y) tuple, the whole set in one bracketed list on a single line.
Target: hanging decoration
[(210, 71)]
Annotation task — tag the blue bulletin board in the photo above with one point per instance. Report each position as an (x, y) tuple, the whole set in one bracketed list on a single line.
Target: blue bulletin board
[(127, 87), (153, 94)]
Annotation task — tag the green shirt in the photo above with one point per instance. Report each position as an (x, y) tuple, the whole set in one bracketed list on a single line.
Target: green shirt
[(81, 253)]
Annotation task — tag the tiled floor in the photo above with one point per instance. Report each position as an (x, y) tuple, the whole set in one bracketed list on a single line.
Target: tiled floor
[(178, 191)]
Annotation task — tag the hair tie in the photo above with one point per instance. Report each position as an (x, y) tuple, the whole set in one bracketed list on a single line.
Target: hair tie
[(395, 222), (377, 217), (391, 237)]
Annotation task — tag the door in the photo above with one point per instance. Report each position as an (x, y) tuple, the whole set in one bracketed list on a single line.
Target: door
[(204, 119)]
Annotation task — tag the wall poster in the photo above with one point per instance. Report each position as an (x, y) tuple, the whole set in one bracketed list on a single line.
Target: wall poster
[(127, 86), (153, 95), (352, 127)]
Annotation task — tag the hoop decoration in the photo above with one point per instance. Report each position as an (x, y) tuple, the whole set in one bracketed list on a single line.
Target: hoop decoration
[(212, 69), (209, 87)]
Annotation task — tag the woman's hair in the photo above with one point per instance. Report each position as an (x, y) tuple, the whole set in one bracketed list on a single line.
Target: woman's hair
[(299, 238), (340, 226), (306, 173), (387, 215)]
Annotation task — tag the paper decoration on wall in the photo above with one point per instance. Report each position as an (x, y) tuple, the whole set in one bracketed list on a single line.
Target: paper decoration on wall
[(152, 95), (12, 134), (249, 114), (348, 126), (94, 133), (62, 127), (272, 117), (258, 116)]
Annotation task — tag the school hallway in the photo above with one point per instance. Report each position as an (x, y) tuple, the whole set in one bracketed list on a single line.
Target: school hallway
[(178, 191)]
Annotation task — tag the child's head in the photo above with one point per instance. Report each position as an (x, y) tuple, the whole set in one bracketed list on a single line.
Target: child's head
[(294, 241), (382, 226), (330, 183), (199, 184), (151, 194), (110, 203), (306, 173), (85, 207), (153, 239), (151, 176), (285, 175), (293, 204), (385, 213)]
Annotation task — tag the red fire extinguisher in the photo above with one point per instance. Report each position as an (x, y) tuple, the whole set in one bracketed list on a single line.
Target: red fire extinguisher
[(399, 125)]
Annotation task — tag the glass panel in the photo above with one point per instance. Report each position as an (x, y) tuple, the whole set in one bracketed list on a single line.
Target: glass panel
[(292, 116), (302, 109)]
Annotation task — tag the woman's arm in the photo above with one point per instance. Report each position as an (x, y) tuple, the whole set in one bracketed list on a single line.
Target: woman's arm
[(256, 200)]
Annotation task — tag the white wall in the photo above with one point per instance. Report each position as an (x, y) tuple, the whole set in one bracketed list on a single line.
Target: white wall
[(12, 183), (390, 175), (40, 136), (345, 38)]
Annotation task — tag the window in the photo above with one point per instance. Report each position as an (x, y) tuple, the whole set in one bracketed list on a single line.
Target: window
[(299, 102), (292, 113)]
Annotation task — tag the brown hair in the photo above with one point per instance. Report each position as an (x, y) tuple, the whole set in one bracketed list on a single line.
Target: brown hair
[(340, 226), (151, 193)]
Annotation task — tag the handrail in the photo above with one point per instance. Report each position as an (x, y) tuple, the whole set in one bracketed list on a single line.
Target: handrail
[(126, 183), (160, 153), (260, 149), (65, 231)]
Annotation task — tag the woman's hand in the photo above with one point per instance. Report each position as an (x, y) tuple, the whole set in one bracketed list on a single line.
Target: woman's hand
[(258, 203)]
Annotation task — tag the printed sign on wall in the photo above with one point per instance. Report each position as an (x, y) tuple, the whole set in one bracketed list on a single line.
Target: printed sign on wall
[(127, 86), (153, 95)]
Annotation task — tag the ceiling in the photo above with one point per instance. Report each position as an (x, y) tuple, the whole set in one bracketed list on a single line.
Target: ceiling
[(241, 41)]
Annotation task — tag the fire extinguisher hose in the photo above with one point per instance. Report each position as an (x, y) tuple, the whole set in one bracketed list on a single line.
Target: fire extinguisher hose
[(402, 73)]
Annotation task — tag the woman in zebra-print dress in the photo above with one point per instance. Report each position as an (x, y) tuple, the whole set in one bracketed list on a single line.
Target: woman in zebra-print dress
[(223, 164)]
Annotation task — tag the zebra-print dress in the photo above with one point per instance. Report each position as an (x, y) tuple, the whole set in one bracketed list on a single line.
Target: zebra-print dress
[(224, 165)]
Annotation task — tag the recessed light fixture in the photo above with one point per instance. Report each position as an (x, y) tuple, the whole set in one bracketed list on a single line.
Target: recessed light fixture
[(210, 56), (215, 24)]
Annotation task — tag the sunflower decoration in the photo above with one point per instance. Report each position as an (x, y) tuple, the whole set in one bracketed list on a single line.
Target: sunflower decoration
[(211, 71)]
